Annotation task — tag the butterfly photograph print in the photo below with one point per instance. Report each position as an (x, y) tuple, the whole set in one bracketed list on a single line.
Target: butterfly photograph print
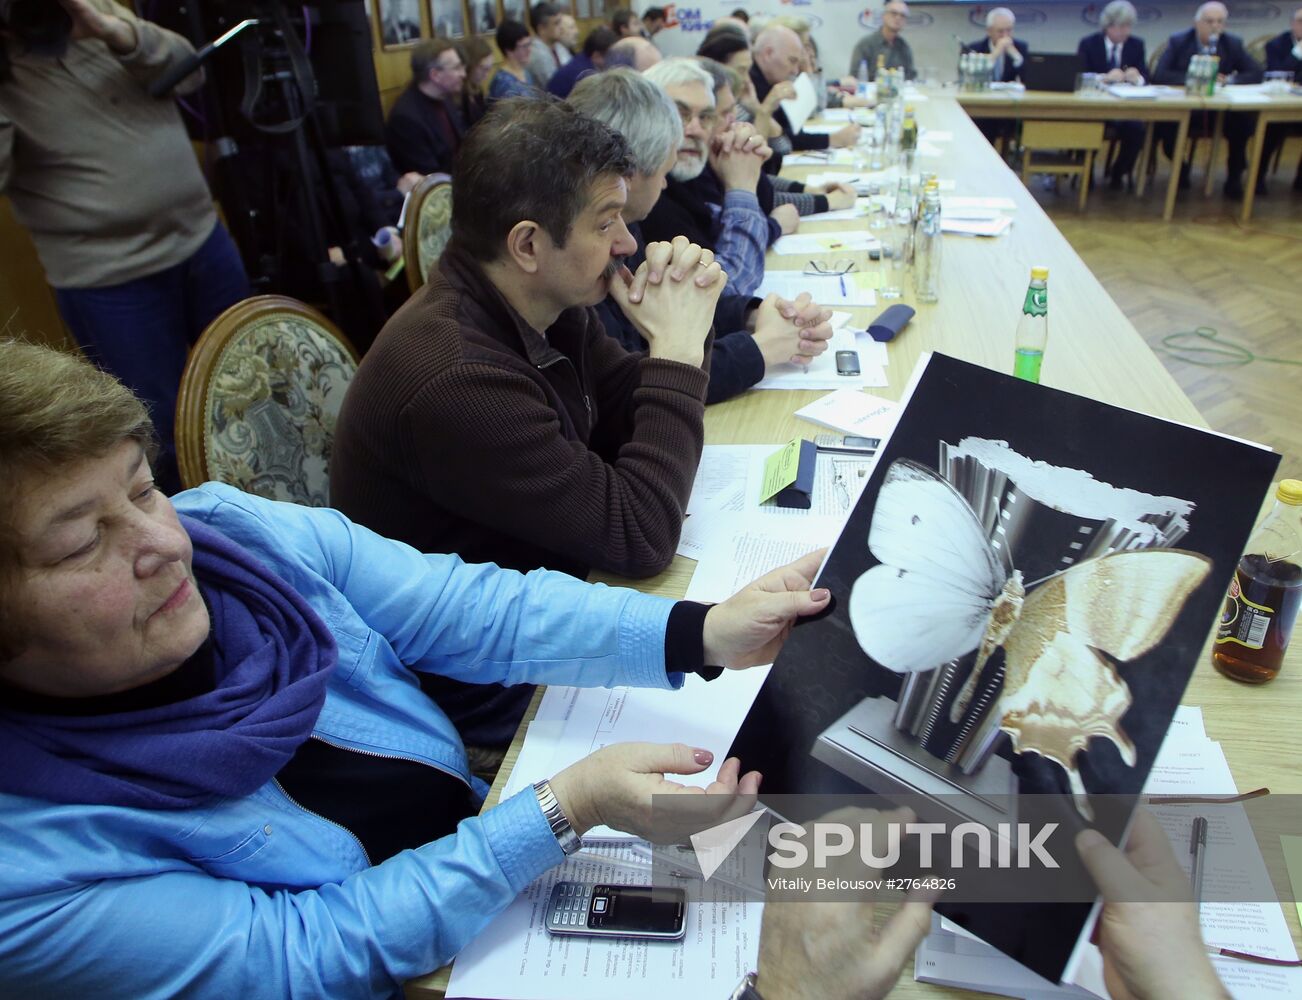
[(948, 583)]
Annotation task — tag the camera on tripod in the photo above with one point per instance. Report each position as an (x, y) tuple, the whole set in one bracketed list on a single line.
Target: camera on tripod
[(272, 121)]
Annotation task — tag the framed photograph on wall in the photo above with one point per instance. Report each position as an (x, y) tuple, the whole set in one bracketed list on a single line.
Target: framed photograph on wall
[(447, 18), (483, 16), (515, 10), (399, 22)]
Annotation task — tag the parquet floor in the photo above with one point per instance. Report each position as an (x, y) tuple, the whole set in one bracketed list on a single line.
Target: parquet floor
[(1204, 270)]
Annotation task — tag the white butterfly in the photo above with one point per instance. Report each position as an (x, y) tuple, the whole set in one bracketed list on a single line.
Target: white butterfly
[(941, 591)]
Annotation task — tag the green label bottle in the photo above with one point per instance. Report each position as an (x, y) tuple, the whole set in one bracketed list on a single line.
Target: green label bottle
[(1033, 327)]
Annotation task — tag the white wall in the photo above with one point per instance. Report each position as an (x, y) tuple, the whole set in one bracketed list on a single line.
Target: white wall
[(1047, 27)]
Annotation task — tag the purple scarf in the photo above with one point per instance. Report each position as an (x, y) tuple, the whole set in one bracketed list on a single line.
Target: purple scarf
[(272, 656)]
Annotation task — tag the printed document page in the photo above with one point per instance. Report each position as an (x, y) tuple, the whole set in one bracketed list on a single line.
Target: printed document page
[(515, 958)]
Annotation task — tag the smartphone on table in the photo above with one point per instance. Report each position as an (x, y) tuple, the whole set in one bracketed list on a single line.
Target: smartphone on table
[(631, 911)]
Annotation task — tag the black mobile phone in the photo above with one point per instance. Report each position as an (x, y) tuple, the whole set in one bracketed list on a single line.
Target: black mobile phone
[(849, 444), (631, 911), (847, 362)]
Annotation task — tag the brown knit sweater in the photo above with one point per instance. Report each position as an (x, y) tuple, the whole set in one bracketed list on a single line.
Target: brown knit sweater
[(467, 431)]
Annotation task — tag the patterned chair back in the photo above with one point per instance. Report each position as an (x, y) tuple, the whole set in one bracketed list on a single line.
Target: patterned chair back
[(259, 399), (428, 228)]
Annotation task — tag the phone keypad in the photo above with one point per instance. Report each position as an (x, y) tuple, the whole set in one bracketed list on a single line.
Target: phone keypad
[(570, 901)]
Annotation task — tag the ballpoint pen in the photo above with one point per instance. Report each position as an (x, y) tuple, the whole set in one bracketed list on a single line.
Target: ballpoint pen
[(841, 279), (1198, 849)]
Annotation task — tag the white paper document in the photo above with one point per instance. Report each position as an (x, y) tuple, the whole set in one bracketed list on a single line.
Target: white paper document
[(956, 205), (721, 477), (800, 107), (857, 288), (1239, 92), (755, 545), (819, 128), (852, 412), (809, 244), (819, 158), (1130, 92), (861, 210), (821, 371), (865, 182), (974, 227), (515, 958)]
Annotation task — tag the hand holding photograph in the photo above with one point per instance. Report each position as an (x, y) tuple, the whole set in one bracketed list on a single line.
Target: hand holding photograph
[(1019, 599)]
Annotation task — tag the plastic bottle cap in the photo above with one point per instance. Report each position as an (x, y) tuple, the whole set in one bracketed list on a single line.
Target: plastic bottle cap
[(1290, 492), (1039, 273)]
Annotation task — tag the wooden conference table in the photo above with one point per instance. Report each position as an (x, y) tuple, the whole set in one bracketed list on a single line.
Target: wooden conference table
[(1101, 106), (1093, 350)]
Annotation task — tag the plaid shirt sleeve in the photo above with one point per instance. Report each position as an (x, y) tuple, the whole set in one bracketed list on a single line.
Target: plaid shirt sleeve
[(742, 241)]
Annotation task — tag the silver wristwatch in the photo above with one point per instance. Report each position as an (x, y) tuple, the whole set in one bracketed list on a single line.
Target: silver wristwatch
[(746, 989), (556, 818)]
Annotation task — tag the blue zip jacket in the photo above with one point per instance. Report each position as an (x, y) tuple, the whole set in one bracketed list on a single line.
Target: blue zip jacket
[(256, 897)]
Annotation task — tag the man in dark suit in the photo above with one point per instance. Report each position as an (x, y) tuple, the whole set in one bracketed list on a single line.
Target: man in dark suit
[(425, 126), (1284, 55), (1117, 57), (1208, 36), (1010, 54)]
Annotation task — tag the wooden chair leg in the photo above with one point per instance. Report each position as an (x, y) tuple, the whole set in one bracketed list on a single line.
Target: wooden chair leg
[(1147, 162), (1085, 179), (1209, 182), (1026, 169)]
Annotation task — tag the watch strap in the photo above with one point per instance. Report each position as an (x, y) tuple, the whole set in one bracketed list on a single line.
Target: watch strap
[(568, 840), (746, 988)]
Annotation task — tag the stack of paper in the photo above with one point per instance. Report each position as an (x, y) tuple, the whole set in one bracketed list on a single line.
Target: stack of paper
[(852, 412), (1189, 764)]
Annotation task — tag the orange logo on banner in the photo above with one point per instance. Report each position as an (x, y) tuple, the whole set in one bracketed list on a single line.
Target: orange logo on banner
[(671, 15)]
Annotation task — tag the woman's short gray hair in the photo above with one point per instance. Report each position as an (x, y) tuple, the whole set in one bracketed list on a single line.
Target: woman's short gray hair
[(1118, 12), (680, 71), (635, 108)]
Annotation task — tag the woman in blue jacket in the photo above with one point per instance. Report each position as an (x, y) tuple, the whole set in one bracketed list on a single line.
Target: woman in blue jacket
[(221, 777)]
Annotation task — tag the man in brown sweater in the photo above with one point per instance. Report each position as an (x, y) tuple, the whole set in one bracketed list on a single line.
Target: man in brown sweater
[(494, 417)]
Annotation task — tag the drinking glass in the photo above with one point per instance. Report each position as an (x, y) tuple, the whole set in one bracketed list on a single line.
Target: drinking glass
[(892, 237)]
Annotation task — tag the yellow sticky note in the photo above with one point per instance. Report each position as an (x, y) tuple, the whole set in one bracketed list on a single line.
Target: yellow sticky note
[(780, 469), (864, 280), (1293, 859)]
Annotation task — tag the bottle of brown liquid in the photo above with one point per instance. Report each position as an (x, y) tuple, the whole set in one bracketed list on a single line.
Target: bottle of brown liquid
[(1264, 596)]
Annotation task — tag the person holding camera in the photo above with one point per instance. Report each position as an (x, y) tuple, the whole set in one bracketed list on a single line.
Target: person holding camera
[(104, 178)]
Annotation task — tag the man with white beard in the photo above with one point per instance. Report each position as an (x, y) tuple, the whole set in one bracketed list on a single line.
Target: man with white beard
[(737, 230)]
